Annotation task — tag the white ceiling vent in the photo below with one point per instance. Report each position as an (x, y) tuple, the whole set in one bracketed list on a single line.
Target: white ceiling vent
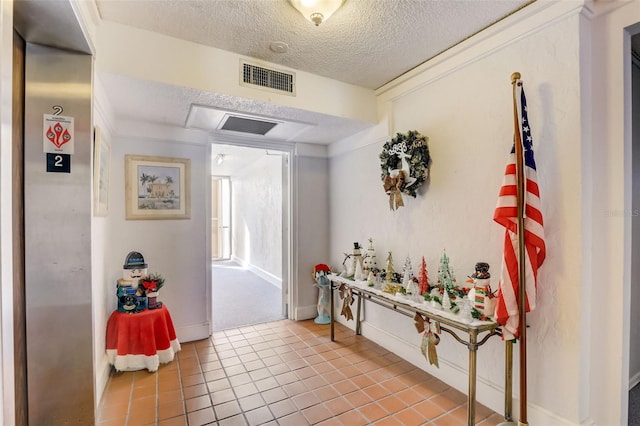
[(221, 121), (266, 78), (247, 125)]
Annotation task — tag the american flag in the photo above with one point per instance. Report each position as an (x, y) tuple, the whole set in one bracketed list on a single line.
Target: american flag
[(506, 214)]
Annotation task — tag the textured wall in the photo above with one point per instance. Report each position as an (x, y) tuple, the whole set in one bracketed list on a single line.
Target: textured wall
[(174, 248), (256, 194), (313, 226), (467, 115)]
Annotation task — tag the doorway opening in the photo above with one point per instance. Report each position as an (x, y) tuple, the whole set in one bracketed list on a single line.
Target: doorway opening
[(249, 235), (221, 217)]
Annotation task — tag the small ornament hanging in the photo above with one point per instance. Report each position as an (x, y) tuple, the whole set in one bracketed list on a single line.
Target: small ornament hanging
[(404, 162)]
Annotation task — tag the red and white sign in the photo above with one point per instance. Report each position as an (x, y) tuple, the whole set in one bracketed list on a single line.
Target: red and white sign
[(58, 134)]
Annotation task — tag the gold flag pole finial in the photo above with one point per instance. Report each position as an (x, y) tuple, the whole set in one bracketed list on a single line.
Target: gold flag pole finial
[(515, 77)]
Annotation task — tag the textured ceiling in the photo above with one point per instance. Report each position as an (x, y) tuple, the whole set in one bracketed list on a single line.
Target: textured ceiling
[(366, 43)]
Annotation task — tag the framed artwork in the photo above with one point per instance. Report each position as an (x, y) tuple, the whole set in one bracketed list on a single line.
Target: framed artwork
[(157, 187), (101, 169)]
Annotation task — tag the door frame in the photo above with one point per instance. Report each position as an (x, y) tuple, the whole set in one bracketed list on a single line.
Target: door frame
[(289, 214)]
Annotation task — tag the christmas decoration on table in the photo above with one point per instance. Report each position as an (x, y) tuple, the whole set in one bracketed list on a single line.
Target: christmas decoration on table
[(446, 301), (404, 162), (446, 279), (358, 269), (482, 298), (423, 278), (409, 282), (419, 322), (390, 270), (150, 286), (346, 294), (371, 279), (430, 338), (130, 298), (369, 261), (392, 279), (445, 293), (347, 266), (320, 272)]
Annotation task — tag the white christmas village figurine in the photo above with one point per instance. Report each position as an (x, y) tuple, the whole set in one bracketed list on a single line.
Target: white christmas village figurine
[(358, 268), (354, 269), (440, 295), (130, 298), (369, 261), (320, 272), (408, 282)]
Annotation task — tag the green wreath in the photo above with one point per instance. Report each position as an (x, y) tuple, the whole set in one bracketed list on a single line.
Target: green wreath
[(412, 147)]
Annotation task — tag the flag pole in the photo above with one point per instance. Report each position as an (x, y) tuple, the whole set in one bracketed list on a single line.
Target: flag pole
[(522, 298)]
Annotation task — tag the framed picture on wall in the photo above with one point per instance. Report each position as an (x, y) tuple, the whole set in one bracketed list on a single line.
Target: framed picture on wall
[(101, 169), (157, 188)]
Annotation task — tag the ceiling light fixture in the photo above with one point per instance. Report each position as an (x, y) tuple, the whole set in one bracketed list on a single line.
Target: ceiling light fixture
[(219, 159), (317, 11)]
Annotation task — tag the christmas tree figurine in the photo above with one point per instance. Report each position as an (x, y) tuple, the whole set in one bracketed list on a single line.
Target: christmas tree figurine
[(423, 278), (369, 261), (390, 270), (407, 272), (446, 278), (446, 301)]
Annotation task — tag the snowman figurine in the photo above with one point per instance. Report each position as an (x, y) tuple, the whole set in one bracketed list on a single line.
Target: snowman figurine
[(480, 295), (130, 298)]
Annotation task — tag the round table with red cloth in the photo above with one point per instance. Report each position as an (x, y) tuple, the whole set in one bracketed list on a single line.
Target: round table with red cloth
[(141, 340)]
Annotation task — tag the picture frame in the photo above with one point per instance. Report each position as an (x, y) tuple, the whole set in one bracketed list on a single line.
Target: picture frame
[(101, 173), (157, 188)]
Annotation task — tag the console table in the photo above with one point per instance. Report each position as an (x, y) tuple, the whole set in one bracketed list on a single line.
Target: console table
[(450, 323), (136, 341)]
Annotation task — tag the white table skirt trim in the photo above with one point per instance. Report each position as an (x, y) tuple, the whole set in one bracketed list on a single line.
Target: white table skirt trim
[(141, 362)]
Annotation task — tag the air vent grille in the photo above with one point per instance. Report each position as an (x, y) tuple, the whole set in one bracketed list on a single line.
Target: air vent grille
[(247, 125), (268, 78)]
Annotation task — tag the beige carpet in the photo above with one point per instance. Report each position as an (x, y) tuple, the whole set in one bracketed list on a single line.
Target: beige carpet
[(242, 298)]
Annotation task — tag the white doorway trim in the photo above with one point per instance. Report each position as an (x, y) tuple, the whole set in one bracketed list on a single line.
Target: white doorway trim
[(289, 259)]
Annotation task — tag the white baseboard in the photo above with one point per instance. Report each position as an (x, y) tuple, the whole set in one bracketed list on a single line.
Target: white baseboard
[(305, 312), (487, 393), (102, 377), (267, 276), (194, 332)]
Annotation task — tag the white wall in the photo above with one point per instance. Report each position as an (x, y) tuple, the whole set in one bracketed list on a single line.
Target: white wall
[(609, 179), (102, 289), (143, 55), (463, 104), (312, 227), (176, 249), (256, 194)]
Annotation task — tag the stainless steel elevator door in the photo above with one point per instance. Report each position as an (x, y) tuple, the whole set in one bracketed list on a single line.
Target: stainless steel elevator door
[(57, 213)]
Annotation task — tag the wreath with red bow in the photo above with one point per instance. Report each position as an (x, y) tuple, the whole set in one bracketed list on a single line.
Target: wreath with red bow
[(404, 162)]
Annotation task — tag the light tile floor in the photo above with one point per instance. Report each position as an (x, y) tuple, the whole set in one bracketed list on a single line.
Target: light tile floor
[(285, 373)]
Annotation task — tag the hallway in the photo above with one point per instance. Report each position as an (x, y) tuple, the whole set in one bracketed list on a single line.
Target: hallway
[(241, 298), (285, 373)]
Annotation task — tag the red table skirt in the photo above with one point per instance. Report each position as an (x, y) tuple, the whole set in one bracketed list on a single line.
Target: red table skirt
[(141, 340)]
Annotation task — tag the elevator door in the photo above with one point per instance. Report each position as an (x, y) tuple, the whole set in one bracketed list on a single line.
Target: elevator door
[(57, 234)]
